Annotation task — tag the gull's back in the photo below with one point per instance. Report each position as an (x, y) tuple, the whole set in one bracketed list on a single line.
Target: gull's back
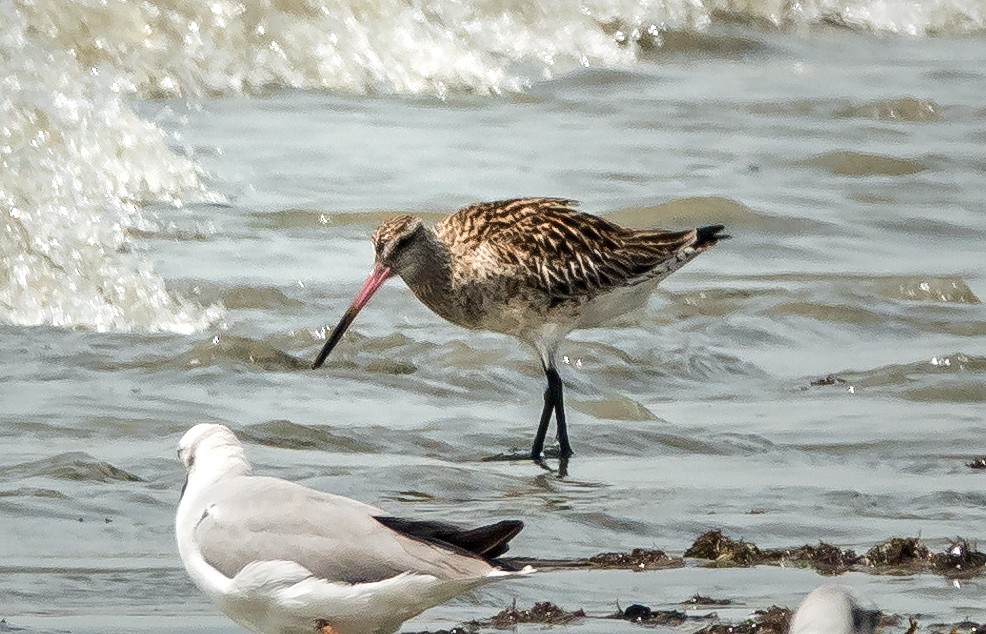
[(255, 518)]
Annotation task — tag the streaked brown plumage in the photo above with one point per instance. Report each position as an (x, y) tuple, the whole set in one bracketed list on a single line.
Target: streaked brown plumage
[(534, 268)]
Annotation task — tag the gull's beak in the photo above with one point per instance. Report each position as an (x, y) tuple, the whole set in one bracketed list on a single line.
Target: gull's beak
[(377, 277), (183, 487)]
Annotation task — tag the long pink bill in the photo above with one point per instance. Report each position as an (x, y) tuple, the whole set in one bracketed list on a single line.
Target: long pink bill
[(377, 277)]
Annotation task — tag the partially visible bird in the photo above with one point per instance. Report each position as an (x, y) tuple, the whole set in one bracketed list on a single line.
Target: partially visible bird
[(833, 609), (534, 268), (280, 558)]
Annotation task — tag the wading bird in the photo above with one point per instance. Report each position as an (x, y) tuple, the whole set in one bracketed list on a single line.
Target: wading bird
[(280, 558), (534, 268)]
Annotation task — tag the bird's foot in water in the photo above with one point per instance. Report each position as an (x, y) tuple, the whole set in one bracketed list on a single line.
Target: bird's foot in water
[(515, 454), (553, 453)]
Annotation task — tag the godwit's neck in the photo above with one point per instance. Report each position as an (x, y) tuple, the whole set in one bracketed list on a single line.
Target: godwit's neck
[(427, 267)]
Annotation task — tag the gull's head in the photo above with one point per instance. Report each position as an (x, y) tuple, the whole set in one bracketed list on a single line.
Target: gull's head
[(833, 609), (210, 452)]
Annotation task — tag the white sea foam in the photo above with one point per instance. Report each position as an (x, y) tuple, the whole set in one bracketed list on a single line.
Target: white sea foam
[(75, 164), (190, 47)]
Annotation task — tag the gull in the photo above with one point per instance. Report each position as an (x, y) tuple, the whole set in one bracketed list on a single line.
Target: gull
[(533, 268), (833, 609), (281, 558)]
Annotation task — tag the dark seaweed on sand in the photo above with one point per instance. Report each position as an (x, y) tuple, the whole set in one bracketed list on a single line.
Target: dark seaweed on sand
[(636, 559), (959, 559), (897, 552), (825, 558), (896, 555), (773, 620), (831, 379), (697, 599), (543, 612), (637, 613), (893, 556), (724, 551)]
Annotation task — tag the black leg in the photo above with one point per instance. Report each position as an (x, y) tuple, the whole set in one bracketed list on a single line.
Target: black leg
[(555, 386), (563, 467), (537, 451)]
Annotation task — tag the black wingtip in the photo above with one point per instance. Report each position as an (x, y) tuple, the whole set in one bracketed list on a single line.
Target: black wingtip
[(710, 235), (492, 540), (485, 542)]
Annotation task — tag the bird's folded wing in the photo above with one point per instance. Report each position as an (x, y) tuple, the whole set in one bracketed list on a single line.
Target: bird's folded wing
[(268, 577), (558, 249), (487, 541), (253, 519)]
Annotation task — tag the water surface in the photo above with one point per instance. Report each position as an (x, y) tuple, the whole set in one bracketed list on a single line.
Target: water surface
[(187, 195)]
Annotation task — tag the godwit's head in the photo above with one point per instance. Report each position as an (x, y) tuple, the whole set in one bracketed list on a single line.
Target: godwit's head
[(397, 244)]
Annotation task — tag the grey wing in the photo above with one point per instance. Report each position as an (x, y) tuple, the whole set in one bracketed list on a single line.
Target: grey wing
[(250, 519)]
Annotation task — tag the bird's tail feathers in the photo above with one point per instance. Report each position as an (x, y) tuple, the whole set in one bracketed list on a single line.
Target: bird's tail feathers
[(708, 236)]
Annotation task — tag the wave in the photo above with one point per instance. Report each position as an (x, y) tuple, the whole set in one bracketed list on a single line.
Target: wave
[(76, 164), (73, 465), (956, 378), (189, 48)]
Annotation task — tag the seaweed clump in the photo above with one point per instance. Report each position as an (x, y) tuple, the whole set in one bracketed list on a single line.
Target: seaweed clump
[(959, 559), (831, 379), (543, 612), (637, 613), (898, 552), (963, 627), (636, 559), (697, 599), (715, 546), (773, 620), (825, 558)]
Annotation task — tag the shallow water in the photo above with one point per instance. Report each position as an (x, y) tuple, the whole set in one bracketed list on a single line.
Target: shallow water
[(185, 213)]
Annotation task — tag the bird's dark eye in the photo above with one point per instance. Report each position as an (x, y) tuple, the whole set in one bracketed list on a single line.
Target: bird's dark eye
[(402, 241), (388, 249)]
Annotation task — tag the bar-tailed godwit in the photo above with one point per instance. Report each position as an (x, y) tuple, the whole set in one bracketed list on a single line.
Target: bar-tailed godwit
[(534, 268)]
